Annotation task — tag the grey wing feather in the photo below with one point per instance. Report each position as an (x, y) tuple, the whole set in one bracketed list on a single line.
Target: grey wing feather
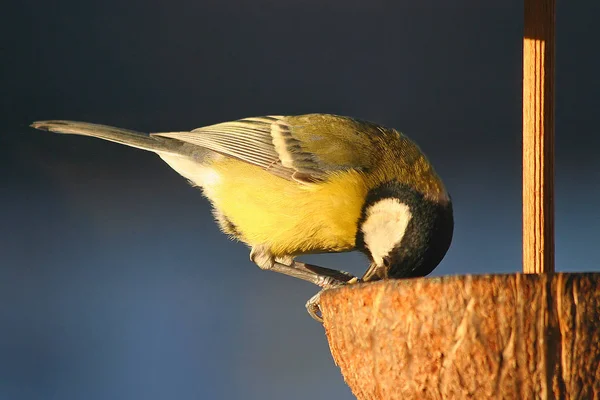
[(303, 148), (250, 140)]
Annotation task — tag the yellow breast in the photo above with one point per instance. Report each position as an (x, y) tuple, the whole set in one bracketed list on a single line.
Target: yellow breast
[(289, 217)]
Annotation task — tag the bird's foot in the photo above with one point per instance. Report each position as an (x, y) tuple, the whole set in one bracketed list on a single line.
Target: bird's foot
[(313, 305), (325, 278)]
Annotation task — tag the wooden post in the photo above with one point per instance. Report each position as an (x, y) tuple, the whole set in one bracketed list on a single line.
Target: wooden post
[(538, 136)]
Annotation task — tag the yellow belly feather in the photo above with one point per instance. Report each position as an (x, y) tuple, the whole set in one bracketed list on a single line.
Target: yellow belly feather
[(289, 217)]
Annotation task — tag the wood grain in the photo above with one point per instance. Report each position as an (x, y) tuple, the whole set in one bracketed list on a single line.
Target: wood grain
[(538, 136)]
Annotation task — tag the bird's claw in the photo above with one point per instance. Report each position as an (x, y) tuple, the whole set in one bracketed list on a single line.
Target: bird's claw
[(313, 305)]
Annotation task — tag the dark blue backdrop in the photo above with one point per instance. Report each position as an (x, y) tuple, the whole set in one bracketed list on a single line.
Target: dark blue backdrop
[(114, 281)]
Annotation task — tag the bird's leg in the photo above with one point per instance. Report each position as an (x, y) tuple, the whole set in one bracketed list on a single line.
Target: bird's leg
[(339, 276), (325, 278), (322, 277)]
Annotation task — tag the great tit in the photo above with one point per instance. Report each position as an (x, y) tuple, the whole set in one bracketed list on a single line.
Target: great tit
[(315, 183)]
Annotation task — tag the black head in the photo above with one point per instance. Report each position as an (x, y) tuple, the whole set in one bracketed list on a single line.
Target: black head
[(404, 233)]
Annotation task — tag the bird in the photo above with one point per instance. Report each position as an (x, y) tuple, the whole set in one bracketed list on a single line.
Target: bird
[(305, 184)]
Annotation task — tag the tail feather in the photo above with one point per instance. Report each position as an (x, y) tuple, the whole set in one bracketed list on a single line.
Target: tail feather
[(118, 135)]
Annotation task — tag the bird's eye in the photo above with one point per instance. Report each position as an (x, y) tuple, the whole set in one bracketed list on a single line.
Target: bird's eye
[(386, 262)]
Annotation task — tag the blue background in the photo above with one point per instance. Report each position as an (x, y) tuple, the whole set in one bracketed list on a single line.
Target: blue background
[(114, 281)]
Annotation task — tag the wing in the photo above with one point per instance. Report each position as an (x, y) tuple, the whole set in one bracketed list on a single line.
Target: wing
[(303, 148)]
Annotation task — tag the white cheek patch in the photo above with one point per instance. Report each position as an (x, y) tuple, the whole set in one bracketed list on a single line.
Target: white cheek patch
[(384, 227)]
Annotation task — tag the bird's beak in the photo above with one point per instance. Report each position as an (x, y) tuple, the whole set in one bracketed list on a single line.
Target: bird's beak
[(373, 273)]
